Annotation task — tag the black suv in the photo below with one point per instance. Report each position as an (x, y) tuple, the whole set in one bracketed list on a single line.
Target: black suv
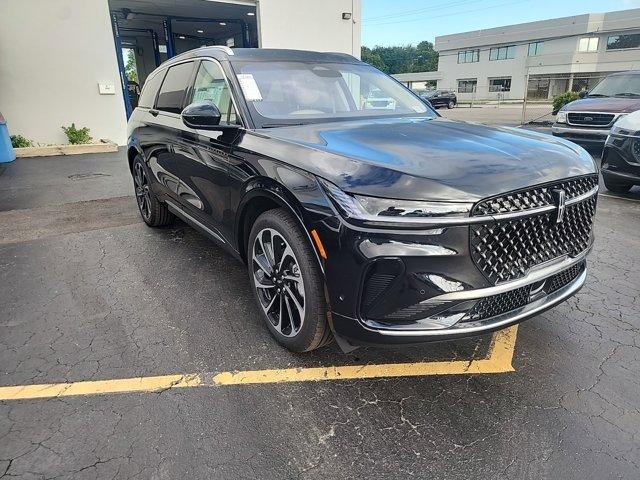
[(372, 225), (440, 98), (621, 155)]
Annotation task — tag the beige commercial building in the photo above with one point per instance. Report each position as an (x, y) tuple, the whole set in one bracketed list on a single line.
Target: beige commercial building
[(541, 58)]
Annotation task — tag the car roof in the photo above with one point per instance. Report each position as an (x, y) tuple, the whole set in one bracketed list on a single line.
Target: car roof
[(263, 55)]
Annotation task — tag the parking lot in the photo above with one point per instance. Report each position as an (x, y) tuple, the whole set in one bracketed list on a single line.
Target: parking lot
[(151, 361)]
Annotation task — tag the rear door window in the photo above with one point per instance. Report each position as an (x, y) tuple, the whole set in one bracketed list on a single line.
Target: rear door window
[(173, 88), (150, 90)]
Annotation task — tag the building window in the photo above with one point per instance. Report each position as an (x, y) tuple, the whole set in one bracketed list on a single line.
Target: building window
[(535, 48), (617, 42), (500, 84), (469, 56), (467, 85), (588, 44), (502, 53)]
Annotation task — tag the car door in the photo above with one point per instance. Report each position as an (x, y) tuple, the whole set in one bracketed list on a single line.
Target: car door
[(163, 127), (204, 155)]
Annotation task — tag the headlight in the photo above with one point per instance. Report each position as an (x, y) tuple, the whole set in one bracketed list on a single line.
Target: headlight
[(561, 117), (390, 211)]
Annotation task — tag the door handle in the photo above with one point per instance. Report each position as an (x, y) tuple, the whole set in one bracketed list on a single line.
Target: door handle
[(154, 112)]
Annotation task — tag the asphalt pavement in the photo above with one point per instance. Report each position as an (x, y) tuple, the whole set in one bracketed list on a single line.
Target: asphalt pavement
[(89, 293)]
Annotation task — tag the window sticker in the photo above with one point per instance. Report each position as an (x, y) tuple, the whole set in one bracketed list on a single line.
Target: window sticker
[(249, 87)]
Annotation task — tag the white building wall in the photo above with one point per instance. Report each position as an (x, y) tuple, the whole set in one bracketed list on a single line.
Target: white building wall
[(310, 25), (452, 71), (53, 54)]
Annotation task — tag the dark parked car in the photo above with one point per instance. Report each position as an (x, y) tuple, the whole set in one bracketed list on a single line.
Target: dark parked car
[(440, 98), (372, 225), (588, 121), (621, 157)]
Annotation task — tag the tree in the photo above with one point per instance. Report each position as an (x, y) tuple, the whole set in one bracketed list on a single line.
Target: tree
[(130, 68), (402, 59), (373, 58)]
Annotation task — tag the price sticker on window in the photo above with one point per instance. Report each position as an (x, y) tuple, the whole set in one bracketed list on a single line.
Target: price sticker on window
[(249, 87)]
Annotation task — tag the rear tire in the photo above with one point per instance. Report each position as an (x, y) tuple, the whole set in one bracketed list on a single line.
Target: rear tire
[(153, 211), (287, 283), (616, 187)]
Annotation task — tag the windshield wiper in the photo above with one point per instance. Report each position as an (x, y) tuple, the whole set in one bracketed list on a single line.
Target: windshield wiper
[(596, 95), (627, 94)]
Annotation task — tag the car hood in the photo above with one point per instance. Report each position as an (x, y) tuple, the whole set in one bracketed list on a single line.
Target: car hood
[(428, 159), (603, 104)]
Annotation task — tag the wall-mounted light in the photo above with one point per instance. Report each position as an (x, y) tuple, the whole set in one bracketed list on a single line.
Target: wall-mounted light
[(200, 31), (182, 37), (222, 23), (251, 14), (346, 15)]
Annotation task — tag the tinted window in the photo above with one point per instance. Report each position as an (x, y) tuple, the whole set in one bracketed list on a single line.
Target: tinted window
[(150, 90), (616, 42), (211, 86), (173, 88)]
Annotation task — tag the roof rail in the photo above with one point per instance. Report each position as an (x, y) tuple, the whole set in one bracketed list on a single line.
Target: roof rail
[(222, 48)]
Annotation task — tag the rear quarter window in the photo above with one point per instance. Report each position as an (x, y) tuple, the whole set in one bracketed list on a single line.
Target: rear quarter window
[(174, 87), (150, 90)]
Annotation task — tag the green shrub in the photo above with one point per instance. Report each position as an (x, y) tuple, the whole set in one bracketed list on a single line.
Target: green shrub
[(77, 135), (561, 100), (18, 141)]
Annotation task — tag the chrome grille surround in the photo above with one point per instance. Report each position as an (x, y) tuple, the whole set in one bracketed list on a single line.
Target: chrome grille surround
[(590, 119), (513, 299), (517, 240), (535, 197)]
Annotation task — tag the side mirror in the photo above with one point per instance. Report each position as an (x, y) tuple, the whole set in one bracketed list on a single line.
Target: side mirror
[(583, 93), (201, 115)]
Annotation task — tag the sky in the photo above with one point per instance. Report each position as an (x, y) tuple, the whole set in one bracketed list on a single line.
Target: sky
[(402, 22)]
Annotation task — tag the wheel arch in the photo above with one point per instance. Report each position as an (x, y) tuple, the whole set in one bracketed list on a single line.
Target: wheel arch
[(132, 151), (260, 196)]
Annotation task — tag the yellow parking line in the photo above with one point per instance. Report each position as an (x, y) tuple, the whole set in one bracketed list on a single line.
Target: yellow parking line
[(99, 387), (498, 361)]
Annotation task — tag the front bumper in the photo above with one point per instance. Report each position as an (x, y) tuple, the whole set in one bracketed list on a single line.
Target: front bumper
[(363, 332), (619, 165), (457, 277), (584, 136)]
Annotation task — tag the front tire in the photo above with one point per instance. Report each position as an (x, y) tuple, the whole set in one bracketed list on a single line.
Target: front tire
[(287, 283), (153, 211), (451, 104)]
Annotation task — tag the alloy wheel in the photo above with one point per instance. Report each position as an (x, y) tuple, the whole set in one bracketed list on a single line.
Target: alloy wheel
[(278, 282), (143, 194)]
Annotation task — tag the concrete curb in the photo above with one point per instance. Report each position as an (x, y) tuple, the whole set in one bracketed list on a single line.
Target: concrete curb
[(103, 146)]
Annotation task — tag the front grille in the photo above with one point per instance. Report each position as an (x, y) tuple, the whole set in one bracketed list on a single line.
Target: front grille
[(563, 278), (499, 304), (590, 119), (536, 197), (506, 250), (508, 301)]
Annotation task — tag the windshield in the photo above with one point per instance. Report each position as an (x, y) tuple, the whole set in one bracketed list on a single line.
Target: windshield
[(618, 86), (284, 93)]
